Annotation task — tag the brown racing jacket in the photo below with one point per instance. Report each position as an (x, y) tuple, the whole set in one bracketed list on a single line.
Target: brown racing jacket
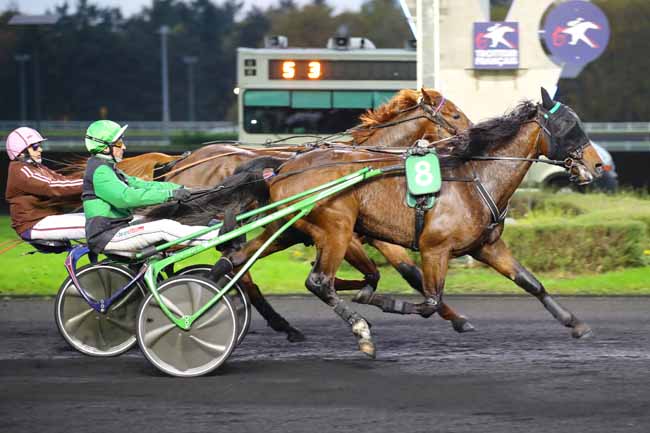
[(35, 192)]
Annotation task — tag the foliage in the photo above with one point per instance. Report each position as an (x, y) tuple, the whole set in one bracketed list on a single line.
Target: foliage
[(576, 246)]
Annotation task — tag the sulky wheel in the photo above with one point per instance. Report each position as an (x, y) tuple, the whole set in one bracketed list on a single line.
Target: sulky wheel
[(202, 348), (238, 298), (89, 331)]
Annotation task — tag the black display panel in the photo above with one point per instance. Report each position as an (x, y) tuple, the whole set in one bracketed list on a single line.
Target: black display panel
[(314, 70)]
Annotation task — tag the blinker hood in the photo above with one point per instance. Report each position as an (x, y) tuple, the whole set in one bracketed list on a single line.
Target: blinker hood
[(566, 132)]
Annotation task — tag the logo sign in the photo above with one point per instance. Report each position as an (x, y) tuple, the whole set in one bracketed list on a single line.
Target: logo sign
[(576, 32), (496, 45)]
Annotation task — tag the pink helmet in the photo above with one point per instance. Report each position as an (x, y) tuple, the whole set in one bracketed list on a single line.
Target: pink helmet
[(20, 139)]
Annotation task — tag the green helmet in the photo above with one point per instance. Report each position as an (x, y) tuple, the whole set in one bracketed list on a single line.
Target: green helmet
[(103, 133)]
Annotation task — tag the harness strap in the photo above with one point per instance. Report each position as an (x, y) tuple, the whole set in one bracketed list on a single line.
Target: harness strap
[(420, 212), (497, 217)]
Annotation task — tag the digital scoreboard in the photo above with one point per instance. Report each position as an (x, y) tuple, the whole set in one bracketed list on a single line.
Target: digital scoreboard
[(298, 69)]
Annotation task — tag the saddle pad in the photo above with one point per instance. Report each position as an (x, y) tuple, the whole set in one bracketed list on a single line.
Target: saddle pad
[(423, 174)]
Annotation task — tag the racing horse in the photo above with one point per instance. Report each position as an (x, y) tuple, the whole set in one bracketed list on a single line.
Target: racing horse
[(407, 117), (487, 164)]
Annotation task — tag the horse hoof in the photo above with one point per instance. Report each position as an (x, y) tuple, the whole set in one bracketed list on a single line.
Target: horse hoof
[(295, 336), (462, 325), (368, 347), (364, 295), (581, 330)]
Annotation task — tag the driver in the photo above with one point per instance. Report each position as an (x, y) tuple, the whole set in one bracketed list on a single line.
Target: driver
[(37, 194), (109, 195)]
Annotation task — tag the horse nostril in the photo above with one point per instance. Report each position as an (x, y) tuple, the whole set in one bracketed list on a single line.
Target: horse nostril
[(599, 168)]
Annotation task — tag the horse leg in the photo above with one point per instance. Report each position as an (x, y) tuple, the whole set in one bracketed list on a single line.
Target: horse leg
[(499, 257), (227, 264), (274, 320), (435, 261), (399, 258), (356, 256), (331, 251)]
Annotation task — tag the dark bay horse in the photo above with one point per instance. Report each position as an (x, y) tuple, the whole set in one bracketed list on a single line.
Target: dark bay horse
[(491, 160), (398, 123)]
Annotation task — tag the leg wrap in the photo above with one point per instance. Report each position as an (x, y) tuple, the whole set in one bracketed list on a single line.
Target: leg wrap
[(220, 269), (347, 314), (372, 279), (411, 274), (529, 283), (562, 315), (391, 305)]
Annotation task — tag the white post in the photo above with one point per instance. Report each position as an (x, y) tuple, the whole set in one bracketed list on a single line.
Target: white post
[(428, 43)]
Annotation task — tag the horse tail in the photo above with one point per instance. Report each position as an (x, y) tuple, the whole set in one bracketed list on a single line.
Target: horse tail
[(245, 189)]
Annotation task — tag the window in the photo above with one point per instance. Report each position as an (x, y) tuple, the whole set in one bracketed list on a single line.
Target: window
[(307, 111)]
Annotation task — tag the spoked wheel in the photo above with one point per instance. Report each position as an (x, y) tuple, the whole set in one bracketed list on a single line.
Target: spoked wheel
[(91, 332), (238, 298), (202, 348)]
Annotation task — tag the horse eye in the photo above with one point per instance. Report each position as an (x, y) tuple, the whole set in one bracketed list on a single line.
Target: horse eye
[(456, 116)]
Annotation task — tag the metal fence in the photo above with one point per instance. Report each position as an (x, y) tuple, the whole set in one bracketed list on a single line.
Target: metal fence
[(49, 125)]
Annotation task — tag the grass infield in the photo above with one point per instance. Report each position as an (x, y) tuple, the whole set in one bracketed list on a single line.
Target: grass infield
[(285, 273)]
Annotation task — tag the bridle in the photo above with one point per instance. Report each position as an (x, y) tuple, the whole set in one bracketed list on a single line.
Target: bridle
[(567, 158), (431, 113)]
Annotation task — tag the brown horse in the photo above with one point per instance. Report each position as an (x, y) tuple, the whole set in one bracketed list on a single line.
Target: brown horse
[(407, 117), (492, 159)]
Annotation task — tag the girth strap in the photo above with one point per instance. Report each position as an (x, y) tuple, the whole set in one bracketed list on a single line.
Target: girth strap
[(497, 217), (420, 212)]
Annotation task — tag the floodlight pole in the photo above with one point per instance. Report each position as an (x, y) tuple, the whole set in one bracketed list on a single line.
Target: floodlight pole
[(190, 61), (164, 32), (22, 59)]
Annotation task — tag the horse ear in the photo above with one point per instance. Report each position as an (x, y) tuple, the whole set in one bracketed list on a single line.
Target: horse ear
[(426, 98), (547, 101)]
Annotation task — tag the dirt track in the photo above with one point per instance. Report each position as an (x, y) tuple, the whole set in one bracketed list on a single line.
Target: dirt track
[(520, 372)]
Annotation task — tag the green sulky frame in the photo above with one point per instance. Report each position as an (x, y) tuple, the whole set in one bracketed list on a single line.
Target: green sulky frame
[(300, 208)]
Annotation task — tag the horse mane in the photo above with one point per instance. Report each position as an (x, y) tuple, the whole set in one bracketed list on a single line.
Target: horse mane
[(386, 112), (492, 133), (404, 99), (244, 189)]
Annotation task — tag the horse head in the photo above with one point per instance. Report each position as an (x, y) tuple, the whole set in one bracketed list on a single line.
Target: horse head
[(566, 140)]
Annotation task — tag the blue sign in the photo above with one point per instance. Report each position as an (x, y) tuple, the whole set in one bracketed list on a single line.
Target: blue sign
[(496, 45), (576, 32)]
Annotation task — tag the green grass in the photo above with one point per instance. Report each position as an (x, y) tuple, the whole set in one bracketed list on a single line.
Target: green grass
[(285, 273)]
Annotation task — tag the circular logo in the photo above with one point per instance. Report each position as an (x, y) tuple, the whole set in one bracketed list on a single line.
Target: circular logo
[(576, 32)]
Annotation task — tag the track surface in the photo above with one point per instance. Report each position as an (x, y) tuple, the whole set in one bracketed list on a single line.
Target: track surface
[(520, 372)]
